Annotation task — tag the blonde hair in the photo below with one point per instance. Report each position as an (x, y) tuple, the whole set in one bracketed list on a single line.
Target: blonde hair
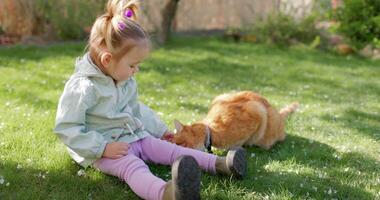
[(115, 31)]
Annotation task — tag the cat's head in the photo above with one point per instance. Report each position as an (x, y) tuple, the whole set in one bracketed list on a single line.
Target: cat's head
[(191, 136)]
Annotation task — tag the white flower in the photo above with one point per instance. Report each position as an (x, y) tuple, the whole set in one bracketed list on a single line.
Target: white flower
[(7, 184), (253, 155), (19, 166), (81, 172), (1, 180)]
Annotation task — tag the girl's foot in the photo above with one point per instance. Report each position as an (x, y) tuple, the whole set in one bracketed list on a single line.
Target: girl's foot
[(185, 183), (235, 163)]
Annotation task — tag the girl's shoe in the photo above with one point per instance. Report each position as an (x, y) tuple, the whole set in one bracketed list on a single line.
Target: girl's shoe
[(235, 163), (185, 183)]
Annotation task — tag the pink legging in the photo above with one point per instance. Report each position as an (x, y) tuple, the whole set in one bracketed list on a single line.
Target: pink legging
[(132, 169)]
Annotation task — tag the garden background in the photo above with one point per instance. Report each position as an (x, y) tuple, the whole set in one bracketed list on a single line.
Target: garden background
[(323, 54)]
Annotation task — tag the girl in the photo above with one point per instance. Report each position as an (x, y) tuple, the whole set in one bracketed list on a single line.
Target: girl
[(103, 125)]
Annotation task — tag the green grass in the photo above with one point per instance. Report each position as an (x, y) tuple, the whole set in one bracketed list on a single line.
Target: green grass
[(332, 150)]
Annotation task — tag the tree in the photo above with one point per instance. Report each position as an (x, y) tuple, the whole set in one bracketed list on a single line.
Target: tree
[(168, 15)]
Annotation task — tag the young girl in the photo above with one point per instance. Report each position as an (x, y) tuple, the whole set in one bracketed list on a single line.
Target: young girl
[(104, 126)]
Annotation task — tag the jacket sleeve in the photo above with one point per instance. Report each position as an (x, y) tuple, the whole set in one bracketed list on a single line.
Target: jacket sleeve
[(78, 96), (152, 123)]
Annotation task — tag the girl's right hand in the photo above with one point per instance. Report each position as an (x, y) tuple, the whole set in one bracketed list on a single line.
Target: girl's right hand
[(115, 150)]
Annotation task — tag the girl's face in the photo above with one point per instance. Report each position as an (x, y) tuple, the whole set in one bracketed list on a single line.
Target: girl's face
[(128, 65)]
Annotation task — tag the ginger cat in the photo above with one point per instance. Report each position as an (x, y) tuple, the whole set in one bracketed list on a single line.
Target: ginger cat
[(236, 119)]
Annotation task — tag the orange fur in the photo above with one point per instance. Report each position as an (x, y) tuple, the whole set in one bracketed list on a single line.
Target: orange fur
[(237, 119)]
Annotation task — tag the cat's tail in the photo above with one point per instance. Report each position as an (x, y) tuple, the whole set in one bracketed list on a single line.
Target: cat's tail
[(284, 112)]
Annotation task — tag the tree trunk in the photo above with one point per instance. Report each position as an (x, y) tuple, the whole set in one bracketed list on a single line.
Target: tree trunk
[(168, 14)]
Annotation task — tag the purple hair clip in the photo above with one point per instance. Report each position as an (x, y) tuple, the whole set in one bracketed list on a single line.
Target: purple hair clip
[(128, 13), (122, 26)]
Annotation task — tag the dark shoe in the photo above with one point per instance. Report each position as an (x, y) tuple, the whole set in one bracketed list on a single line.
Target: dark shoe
[(235, 163), (186, 178)]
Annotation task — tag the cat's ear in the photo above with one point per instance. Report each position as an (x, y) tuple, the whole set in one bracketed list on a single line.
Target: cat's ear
[(178, 126)]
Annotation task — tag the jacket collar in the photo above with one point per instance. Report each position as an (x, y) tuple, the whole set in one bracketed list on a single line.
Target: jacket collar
[(85, 67)]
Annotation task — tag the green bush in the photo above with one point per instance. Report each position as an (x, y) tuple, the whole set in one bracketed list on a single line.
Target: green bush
[(70, 17), (360, 21), (282, 29)]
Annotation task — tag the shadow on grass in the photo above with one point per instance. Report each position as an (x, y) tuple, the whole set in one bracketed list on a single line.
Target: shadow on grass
[(324, 177), (62, 183), (213, 63), (326, 172), (215, 66), (227, 75), (365, 123), (38, 53), (223, 48)]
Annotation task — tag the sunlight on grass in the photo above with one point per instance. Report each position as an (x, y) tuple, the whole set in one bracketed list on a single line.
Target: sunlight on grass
[(331, 151)]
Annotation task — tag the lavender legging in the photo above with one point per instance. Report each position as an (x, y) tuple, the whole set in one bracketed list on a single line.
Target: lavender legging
[(132, 169)]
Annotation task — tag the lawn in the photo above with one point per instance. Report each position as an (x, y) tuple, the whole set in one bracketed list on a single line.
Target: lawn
[(332, 150)]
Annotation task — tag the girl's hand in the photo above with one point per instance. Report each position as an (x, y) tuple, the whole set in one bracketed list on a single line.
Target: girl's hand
[(168, 136), (115, 150)]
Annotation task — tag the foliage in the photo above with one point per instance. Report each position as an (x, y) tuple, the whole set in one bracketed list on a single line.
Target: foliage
[(70, 17), (360, 21), (282, 29), (376, 42)]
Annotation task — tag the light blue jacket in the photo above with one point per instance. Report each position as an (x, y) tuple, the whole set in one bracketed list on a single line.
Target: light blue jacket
[(94, 111)]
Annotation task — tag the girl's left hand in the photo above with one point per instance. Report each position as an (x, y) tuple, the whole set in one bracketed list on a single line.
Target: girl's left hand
[(168, 136)]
